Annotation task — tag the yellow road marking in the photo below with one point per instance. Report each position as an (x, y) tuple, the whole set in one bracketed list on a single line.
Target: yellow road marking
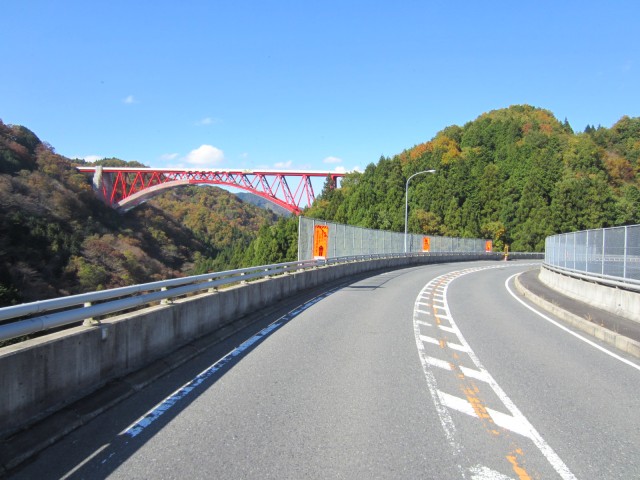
[(520, 471)]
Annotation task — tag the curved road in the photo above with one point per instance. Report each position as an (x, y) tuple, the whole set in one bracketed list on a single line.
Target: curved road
[(434, 372)]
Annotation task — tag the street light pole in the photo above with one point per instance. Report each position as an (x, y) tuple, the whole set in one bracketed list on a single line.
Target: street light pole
[(406, 204)]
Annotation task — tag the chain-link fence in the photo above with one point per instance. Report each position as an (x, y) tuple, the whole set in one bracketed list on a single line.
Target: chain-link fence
[(609, 252), (345, 240)]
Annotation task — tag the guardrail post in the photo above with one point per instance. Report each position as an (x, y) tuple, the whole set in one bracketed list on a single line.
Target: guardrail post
[(165, 301), (211, 289), (90, 322)]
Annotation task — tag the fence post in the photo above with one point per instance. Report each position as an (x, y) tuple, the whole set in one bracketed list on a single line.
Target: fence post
[(604, 244), (586, 254), (624, 265)]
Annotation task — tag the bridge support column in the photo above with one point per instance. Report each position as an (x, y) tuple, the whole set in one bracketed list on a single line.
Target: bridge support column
[(103, 185)]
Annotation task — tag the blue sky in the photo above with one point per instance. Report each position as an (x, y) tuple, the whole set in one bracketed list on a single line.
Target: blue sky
[(303, 84)]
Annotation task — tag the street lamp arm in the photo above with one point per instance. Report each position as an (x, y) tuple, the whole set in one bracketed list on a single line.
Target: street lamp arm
[(419, 173), (406, 204)]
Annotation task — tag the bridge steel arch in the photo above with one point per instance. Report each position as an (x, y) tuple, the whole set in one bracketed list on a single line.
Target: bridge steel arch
[(125, 188)]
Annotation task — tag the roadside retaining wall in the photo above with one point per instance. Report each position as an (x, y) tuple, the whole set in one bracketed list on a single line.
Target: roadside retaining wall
[(42, 375), (624, 303)]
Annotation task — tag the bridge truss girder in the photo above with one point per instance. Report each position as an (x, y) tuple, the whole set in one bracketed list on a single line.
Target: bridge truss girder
[(124, 188)]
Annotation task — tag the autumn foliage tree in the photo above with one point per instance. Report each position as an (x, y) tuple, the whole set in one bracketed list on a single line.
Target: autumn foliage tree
[(514, 175)]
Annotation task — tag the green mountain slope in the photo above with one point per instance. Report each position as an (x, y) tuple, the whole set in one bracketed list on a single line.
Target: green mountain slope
[(515, 175), (56, 238)]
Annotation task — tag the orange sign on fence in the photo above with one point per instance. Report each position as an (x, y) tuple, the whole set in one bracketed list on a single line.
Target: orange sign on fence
[(488, 246), (320, 241), (426, 244)]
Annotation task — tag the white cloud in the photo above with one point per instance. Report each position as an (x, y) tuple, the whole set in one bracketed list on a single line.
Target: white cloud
[(283, 164), (167, 157), (340, 169), (207, 121), (130, 100), (205, 155), (332, 160), (92, 158)]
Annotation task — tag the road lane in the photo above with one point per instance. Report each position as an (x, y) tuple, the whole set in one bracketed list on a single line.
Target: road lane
[(339, 391), (584, 403)]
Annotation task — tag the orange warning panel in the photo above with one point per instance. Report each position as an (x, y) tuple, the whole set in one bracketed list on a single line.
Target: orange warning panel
[(320, 241), (488, 246), (426, 244)]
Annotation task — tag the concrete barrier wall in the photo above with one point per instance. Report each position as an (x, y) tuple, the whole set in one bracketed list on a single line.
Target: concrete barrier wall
[(42, 375), (616, 300)]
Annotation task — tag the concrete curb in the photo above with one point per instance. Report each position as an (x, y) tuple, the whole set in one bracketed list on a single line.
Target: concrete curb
[(614, 339)]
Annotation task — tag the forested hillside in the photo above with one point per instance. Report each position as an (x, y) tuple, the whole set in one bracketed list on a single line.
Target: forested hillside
[(514, 175), (57, 238)]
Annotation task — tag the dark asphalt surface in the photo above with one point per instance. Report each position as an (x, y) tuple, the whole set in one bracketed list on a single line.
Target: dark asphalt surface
[(337, 392)]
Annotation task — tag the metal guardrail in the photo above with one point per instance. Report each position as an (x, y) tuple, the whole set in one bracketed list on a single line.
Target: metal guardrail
[(629, 284), (610, 256), (35, 317)]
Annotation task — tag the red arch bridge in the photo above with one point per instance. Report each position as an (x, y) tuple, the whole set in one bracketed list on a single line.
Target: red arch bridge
[(125, 188)]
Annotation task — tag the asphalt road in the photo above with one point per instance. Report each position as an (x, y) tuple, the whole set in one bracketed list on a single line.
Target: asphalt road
[(434, 372)]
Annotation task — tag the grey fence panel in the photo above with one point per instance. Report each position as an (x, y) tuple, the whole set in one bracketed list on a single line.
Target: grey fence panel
[(346, 240), (632, 264), (607, 253)]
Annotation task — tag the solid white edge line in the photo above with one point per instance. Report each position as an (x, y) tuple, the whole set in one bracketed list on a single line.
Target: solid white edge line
[(562, 327)]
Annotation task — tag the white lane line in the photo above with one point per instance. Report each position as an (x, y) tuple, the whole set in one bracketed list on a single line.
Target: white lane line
[(503, 420), (181, 393), (518, 420), (473, 373), (436, 362), (562, 327), (424, 304), (443, 412), (554, 460), (508, 422), (480, 472), (448, 329), (459, 348), (456, 403), (430, 340), (423, 323), (424, 312), (452, 346)]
